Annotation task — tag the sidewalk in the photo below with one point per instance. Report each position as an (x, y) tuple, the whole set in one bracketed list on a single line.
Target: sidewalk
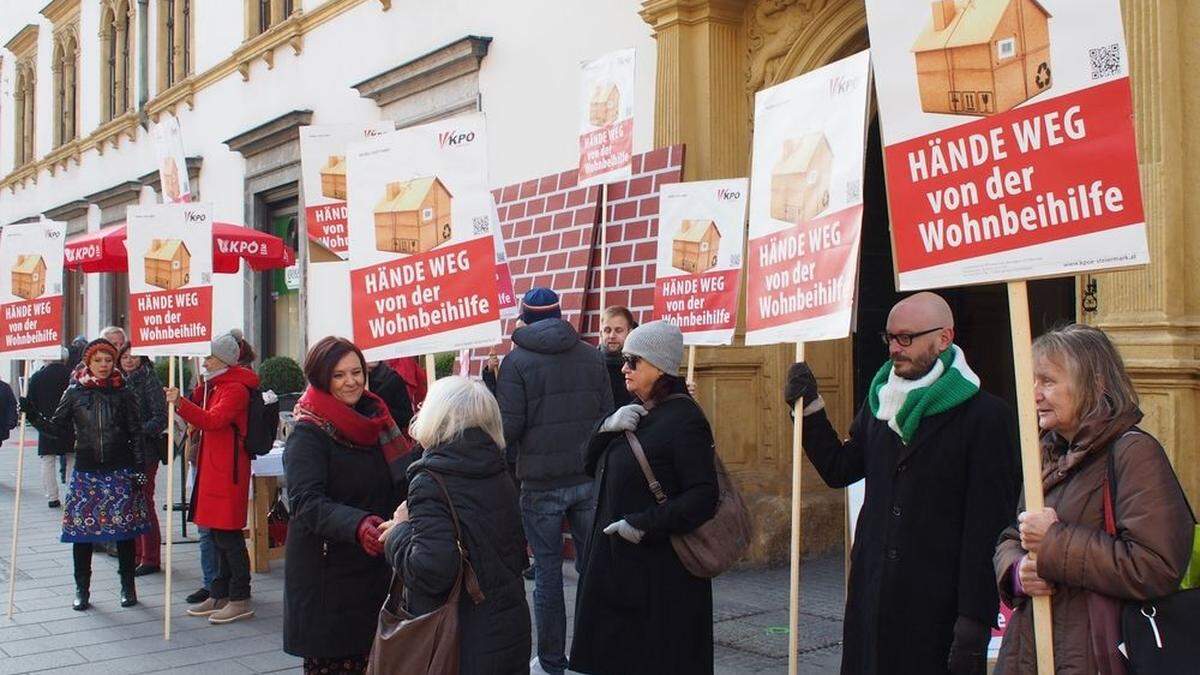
[(45, 634)]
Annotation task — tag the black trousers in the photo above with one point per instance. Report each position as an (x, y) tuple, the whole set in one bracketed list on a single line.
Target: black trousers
[(233, 566), (82, 552)]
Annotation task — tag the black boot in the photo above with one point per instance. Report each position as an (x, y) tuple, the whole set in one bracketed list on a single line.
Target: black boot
[(83, 595), (128, 591)]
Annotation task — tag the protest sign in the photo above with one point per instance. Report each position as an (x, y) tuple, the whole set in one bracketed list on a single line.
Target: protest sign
[(806, 204), (31, 301), (172, 165), (170, 279), (506, 298), (422, 251), (606, 117), (1008, 139), (323, 174), (701, 232)]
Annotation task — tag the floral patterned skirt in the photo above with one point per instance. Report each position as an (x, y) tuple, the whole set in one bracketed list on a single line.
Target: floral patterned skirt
[(345, 665), (104, 506)]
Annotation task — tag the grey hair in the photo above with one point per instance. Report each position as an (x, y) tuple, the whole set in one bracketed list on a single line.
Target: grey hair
[(1103, 389), (114, 329), (453, 405)]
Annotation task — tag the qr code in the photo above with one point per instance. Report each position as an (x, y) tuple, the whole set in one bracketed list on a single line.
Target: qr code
[(735, 260), (1106, 61), (854, 190), (205, 278), (480, 225), (55, 289)]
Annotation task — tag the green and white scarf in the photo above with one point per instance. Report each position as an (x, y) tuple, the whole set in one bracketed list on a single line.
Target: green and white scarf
[(903, 403)]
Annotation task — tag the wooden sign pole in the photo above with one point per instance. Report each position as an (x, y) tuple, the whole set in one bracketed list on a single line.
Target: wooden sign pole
[(603, 246), (430, 369), (1031, 456), (170, 496), (797, 472), (12, 558), (691, 371)]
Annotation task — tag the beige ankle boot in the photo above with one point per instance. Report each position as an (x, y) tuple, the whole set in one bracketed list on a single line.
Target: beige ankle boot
[(207, 607), (232, 611)]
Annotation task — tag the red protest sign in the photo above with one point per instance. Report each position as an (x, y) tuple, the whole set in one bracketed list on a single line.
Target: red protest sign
[(31, 304)]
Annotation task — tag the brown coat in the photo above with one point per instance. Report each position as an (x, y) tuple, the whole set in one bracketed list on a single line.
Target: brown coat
[(1146, 559)]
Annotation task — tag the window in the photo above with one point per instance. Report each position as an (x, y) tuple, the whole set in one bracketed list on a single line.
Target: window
[(66, 87), (427, 214), (174, 42), (1006, 48), (262, 15), (116, 47), (24, 115)]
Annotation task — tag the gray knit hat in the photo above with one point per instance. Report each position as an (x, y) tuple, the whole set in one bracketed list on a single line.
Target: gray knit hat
[(226, 348), (659, 342)]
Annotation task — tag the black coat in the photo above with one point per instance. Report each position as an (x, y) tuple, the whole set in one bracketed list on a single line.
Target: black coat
[(639, 610), (390, 387), (9, 414), (613, 361), (495, 634), (924, 541), (105, 423), (332, 589), (152, 403), (552, 390), (44, 391)]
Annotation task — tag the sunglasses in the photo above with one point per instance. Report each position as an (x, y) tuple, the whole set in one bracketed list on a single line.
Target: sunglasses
[(631, 361), (903, 339)]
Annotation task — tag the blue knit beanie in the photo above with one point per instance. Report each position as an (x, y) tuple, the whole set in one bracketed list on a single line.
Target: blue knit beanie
[(540, 303)]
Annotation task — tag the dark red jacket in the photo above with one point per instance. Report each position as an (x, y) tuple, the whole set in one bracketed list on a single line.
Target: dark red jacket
[(222, 490)]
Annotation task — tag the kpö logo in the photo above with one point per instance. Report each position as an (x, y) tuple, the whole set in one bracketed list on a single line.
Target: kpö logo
[(454, 138), (725, 194), (839, 85), (195, 216), (88, 252), (243, 248)]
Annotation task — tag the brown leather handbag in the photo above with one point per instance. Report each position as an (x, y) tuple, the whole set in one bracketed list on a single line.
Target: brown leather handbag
[(426, 644), (720, 542)]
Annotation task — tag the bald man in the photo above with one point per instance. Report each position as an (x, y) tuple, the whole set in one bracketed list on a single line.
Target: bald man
[(938, 458)]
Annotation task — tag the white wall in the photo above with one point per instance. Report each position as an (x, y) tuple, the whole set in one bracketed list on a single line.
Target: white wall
[(529, 88)]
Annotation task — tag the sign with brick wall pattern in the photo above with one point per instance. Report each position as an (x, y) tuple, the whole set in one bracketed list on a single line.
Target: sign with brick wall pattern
[(174, 185), (806, 204), (550, 231), (31, 302), (606, 117), (1008, 139), (170, 279), (323, 175), (422, 252), (701, 236)]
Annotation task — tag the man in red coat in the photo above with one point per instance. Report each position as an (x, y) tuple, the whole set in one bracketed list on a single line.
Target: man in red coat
[(219, 411)]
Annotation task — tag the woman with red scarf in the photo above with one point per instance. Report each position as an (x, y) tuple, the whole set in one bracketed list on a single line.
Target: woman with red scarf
[(105, 501), (345, 466), (219, 410)]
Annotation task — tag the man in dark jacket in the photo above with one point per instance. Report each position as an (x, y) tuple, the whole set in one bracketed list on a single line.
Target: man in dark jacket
[(45, 389), (938, 456), (552, 390), (615, 324), (9, 415)]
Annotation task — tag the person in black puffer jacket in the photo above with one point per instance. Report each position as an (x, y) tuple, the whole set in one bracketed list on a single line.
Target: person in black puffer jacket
[(44, 391), (152, 403), (105, 501), (552, 390), (459, 425), (387, 385)]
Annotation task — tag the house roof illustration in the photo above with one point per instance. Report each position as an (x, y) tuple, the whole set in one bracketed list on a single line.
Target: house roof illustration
[(407, 196), (798, 153), (974, 22), (335, 164), (166, 249), (28, 263), (694, 230)]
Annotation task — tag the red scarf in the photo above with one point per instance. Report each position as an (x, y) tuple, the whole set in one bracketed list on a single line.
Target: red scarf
[(346, 424), (85, 378)]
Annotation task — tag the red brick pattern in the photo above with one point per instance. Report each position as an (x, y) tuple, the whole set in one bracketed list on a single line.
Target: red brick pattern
[(552, 239)]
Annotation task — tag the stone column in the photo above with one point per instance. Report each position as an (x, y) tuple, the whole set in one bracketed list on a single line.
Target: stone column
[(1153, 314)]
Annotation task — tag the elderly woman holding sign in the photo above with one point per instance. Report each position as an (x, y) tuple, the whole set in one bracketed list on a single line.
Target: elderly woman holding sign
[(1116, 526)]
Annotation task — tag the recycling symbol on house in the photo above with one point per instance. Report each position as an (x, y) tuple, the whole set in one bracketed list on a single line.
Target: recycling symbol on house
[(1043, 75)]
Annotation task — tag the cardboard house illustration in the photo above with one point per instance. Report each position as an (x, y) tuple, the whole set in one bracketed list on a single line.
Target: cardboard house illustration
[(170, 179), (333, 177), (695, 245), (168, 264), (604, 105), (981, 57), (413, 216), (800, 179), (29, 277)]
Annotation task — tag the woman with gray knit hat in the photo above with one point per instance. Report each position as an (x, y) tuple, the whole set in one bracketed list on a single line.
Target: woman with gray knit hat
[(639, 609), (219, 410)]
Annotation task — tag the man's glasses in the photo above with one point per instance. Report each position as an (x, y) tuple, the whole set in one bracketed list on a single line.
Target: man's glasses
[(903, 339), (631, 361)]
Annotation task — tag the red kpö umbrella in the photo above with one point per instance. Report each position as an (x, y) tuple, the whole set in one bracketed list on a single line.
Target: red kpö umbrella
[(104, 251)]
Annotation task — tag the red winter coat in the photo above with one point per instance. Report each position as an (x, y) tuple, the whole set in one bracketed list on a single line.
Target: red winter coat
[(218, 501)]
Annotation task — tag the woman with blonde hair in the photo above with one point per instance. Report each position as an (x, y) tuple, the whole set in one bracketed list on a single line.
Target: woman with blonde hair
[(1116, 526), (459, 426)]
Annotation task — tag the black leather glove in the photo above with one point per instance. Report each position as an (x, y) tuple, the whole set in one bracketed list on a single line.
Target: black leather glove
[(26, 406), (968, 652), (800, 383)]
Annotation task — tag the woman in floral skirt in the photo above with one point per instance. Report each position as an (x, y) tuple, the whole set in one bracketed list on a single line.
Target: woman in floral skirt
[(105, 501)]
